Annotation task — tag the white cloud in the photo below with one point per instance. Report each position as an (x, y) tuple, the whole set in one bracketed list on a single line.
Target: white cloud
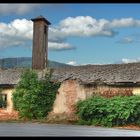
[(74, 63), (89, 26), (55, 46), (19, 31), (126, 60), (17, 8), (126, 40), (124, 22), (84, 26), (15, 33)]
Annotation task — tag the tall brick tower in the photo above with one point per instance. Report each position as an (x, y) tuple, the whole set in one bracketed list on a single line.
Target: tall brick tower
[(40, 43)]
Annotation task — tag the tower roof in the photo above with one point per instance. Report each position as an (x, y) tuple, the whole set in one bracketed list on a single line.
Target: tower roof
[(41, 18)]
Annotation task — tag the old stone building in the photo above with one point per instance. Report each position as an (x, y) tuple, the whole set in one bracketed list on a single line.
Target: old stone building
[(79, 83), (8, 79)]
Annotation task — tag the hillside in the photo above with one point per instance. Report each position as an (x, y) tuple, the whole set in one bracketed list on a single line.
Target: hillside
[(26, 62)]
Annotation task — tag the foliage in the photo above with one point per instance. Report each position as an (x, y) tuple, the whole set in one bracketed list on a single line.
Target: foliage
[(33, 98), (109, 112)]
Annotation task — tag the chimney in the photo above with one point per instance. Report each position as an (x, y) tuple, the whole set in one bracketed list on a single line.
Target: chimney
[(40, 43)]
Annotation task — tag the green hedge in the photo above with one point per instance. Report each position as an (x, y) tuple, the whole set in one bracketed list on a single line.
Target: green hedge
[(109, 112)]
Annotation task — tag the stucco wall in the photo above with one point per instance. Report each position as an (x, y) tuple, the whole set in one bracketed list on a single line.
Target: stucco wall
[(8, 113), (71, 91), (8, 92), (136, 91)]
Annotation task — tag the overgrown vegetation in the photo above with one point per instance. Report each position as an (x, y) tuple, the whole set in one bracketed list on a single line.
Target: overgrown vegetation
[(33, 98), (115, 111)]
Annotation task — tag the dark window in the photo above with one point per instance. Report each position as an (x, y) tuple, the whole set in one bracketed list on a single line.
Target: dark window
[(3, 100)]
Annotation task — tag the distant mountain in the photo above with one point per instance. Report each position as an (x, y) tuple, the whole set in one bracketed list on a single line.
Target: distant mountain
[(26, 62)]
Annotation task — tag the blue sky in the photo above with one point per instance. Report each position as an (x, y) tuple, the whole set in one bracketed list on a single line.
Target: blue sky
[(79, 34)]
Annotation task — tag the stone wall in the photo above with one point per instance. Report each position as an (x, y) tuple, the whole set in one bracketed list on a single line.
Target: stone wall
[(110, 91)]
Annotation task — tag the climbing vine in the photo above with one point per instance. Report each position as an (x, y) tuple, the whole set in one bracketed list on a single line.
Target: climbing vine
[(33, 98)]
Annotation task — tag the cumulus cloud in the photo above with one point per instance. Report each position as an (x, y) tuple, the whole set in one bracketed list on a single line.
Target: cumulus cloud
[(15, 33), (89, 26), (17, 8), (83, 26), (126, 60), (74, 63), (17, 28), (19, 31)]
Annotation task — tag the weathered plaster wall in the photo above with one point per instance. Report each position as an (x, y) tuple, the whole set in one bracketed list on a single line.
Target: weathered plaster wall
[(8, 92), (110, 91), (71, 91), (68, 94), (136, 91), (8, 113)]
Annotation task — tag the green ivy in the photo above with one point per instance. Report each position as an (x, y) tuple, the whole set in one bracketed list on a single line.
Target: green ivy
[(109, 112), (34, 98)]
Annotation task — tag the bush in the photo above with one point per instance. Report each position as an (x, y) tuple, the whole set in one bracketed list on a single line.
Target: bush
[(33, 99), (109, 112)]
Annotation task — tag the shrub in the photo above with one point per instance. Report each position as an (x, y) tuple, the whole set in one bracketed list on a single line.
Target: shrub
[(33, 99), (113, 111)]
